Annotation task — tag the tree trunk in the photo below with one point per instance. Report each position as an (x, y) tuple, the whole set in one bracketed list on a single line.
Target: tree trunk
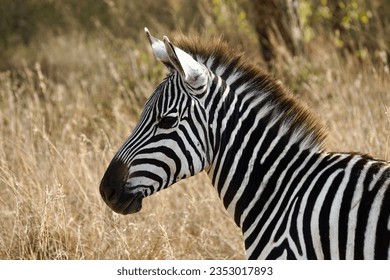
[(277, 25)]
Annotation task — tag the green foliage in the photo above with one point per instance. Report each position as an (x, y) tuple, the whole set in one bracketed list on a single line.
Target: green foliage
[(352, 25), (230, 13), (229, 19)]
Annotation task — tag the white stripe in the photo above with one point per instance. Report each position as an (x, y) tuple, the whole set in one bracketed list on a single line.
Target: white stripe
[(267, 176), (216, 173), (278, 184), (304, 203), (248, 232), (220, 70), (314, 222), (352, 217), (275, 243), (229, 113), (281, 132), (370, 234), (241, 89), (209, 62), (376, 177), (335, 210), (214, 95), (233, 77), (231, 207)]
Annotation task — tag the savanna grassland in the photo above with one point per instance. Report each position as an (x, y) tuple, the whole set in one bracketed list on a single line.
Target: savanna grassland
[(73, 79)]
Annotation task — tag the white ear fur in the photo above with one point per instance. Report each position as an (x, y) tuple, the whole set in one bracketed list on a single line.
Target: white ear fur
[(158, 48), (194, 73)]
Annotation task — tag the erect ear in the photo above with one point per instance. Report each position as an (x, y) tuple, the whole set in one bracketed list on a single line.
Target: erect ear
[(192, 72), (158, 48)]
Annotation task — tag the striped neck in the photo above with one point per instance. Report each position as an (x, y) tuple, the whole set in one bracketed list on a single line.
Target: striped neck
[(252, 120), (252, 130)]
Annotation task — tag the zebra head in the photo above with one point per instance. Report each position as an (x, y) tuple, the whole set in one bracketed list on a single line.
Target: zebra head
[(170, 141)]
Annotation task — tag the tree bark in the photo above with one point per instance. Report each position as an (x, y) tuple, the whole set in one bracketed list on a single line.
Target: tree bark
[(277, 24)]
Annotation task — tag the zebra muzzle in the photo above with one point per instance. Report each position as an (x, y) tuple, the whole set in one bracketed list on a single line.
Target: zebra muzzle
[(120, 197), (125, 202)]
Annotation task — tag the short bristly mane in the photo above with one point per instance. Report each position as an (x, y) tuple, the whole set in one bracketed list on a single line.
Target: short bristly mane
[(218, 55)]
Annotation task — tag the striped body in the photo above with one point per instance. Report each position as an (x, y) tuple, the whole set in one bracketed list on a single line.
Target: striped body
[(264, 154)]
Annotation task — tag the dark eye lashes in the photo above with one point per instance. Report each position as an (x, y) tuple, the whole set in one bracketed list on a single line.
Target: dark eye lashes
[(167, 122)]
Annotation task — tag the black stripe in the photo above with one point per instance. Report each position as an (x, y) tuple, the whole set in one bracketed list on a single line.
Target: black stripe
[(154, 162), (382, 243), (259, 169), (229, 70), (364, 210), (211, 92), (247, 153), (345, 206), (149, 175), (284, 208), (212, 111), (312, 198), (324, 217), (165, 150)]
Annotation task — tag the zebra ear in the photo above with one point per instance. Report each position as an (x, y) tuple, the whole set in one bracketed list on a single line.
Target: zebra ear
[(158, 48), (193, 72)]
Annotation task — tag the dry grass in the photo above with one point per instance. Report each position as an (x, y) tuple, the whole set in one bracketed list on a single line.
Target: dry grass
[(58, 132), (352, 97), (65, 111)]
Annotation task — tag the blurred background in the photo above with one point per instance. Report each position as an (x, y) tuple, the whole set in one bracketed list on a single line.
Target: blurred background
[(262, 26), (74, 76)]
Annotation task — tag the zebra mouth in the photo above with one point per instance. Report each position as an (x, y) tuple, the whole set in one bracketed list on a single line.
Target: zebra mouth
[(134, 205), (128, 203)]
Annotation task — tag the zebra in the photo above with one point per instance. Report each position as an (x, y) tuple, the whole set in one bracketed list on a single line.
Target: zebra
[(264, 153)]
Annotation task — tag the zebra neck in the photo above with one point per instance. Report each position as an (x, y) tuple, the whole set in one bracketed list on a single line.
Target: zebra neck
[(252, 138)]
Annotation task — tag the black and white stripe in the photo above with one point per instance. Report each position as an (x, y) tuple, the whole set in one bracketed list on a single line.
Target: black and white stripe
[(264, 154)]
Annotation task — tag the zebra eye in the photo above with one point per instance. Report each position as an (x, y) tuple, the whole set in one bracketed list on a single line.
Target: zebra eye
[(167, 122)]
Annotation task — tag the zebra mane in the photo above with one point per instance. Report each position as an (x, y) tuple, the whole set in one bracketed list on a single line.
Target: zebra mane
[(217, 54)]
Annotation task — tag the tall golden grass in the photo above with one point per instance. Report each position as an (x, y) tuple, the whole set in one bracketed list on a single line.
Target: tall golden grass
[(67, 103)]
